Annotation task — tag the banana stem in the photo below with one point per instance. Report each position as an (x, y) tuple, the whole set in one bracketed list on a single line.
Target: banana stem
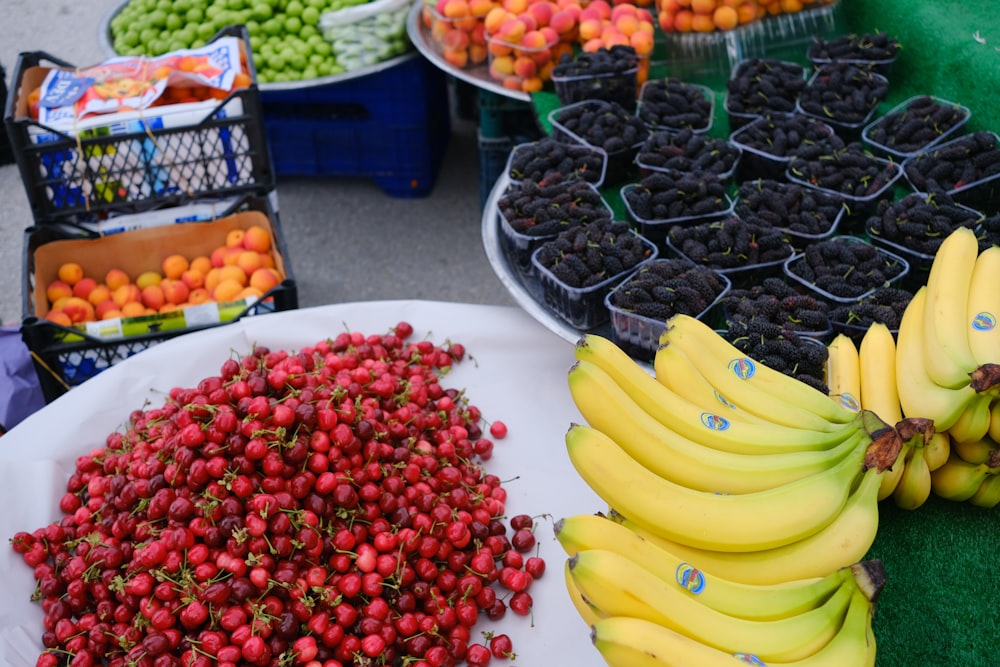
[(870, 576), (915, 431), (986, 378), (885, 442)]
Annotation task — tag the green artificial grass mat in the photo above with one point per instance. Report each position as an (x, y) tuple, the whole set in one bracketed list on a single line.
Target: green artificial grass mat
[(949, 49), (941, 602)]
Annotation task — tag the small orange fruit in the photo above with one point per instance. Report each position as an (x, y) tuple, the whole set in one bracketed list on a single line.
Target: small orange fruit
[(175, 265), (70, 272)]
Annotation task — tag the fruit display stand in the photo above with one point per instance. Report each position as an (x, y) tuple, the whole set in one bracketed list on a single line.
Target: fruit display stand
[(937, 607), (387, 121), (112, 198)]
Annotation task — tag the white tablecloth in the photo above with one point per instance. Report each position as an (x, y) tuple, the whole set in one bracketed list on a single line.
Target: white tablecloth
[(515, 372)]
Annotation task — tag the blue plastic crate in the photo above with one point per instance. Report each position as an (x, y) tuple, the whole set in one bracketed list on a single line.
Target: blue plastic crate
[(391, 126)]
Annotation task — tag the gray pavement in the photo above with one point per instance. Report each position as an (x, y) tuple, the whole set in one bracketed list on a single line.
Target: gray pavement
[(347, 240)]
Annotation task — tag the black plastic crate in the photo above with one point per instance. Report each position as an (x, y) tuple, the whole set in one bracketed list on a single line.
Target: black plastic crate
[(216, 150), (6, 154), (66, 357)]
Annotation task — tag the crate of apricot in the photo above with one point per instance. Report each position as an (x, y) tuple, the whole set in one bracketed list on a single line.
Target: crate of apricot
[(91, 301)]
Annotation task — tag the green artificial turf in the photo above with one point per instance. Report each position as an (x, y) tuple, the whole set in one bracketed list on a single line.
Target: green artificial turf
[(941, 602), (950, 49)]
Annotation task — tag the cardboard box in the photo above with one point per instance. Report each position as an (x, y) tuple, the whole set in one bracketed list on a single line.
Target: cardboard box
[(66, 357)]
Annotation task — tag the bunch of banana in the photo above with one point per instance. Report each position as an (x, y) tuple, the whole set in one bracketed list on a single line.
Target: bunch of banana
[(908, 481), (580, 533), (613, 585), (948, 345), (627, 641), (757, 490), (976, 481)]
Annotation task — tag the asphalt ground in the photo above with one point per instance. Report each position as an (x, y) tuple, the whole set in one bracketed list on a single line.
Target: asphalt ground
[(347, 240)]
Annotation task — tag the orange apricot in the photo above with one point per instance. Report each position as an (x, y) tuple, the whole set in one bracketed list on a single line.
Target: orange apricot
[(58, 289), (70, 272), (116, 278)]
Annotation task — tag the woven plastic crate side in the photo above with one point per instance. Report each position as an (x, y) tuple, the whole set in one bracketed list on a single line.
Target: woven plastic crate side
[(62, 366)]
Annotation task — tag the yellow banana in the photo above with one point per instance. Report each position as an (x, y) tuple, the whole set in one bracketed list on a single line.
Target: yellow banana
[(588, 614), (987, 495), (634, 642), (608, 408), (974, 422), (937, 449), (974, 451), (984, 307), (915, 483), (959, 480), (752, 385), (617, 586), (843, 372), (581, 532), (686, 419), (994, 430), (727, 385), (877, 360), (947, 354), (722, 522), (683, 378), (919, 395), (844, 541), (892, 475)]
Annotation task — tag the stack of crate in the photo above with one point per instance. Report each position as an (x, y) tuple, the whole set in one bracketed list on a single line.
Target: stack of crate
[(113, 195)]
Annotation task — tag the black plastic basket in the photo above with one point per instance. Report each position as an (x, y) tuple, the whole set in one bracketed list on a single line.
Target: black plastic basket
[(222, 151), (63, 364)]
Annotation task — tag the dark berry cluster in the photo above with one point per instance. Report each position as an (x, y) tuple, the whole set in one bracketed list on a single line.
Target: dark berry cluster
[(919, 222), (917, 124), (604, 60), (761, 85), (781, 136), (846, 267), (788, 206), (665, 287), (600, 123), (608, 74), (988, 231), (537, 209), (730, 243), (687, 150), (549, 157), (674, 104), (663, 196), (954, 164), (590, 254), (850, 170), (885, 305), (843, 92), (776, 302), (782, 349), (876, 47)]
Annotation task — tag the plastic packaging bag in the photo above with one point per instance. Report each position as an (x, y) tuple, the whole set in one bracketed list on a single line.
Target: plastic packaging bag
[(365, 35), (20, 393)]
